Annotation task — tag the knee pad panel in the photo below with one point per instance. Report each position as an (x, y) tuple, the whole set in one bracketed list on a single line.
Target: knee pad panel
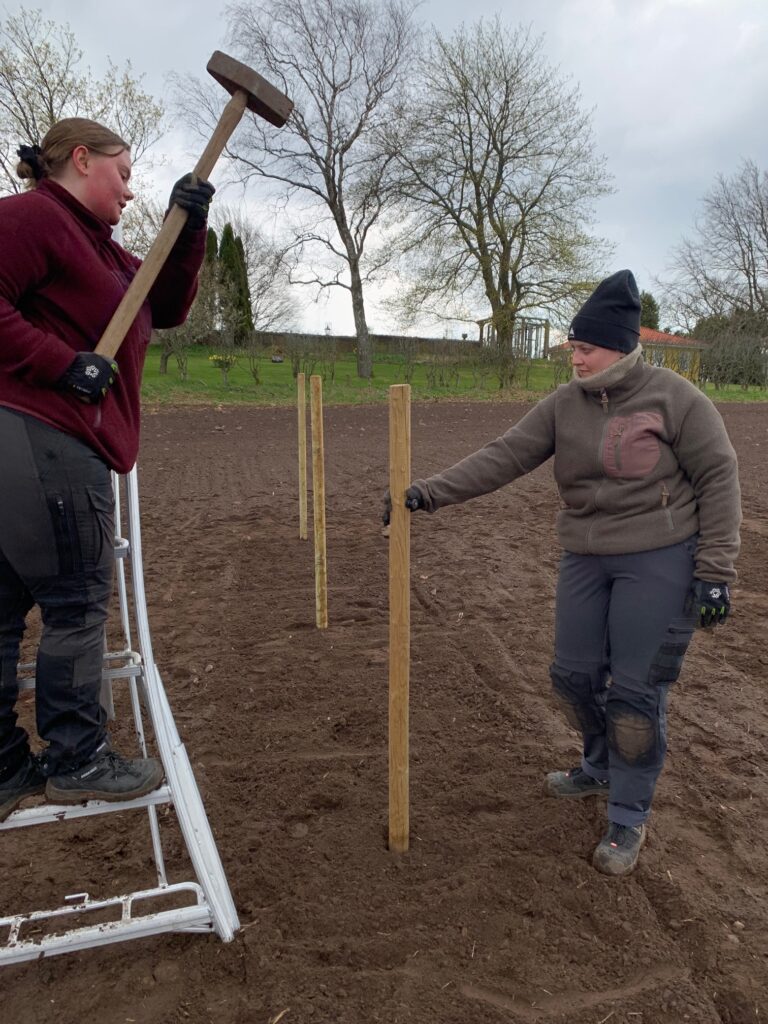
[(576, 695), (633, 734)]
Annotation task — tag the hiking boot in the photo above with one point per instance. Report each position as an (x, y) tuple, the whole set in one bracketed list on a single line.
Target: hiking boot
[(108, 777), (575, 784), (26, 781), (618, 851)]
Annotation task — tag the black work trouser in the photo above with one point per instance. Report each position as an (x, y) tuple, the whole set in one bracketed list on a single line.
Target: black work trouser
[(622, 630), (56, 551)]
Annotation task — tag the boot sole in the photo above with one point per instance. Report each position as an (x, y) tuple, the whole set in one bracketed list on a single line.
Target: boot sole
[(10, 806), (80, 796)]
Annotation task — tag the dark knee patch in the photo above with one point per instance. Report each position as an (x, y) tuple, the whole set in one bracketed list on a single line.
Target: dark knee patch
[(632, 734), (575, 693)]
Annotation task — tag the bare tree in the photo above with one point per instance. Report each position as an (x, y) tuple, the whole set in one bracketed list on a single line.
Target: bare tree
[(141, 222), (342, 62), (497, 178), (41, 81), (722, 269)]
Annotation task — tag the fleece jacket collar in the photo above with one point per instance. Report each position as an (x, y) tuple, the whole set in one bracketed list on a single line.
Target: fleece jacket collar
[(95, 226), (618, 375)]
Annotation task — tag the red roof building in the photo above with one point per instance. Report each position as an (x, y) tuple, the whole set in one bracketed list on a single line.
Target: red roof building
[(683, 355)]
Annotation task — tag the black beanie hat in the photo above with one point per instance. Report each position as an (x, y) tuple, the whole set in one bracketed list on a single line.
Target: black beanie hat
[(610, 318)]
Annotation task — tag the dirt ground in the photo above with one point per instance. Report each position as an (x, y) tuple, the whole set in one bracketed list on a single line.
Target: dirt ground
[(495, 915)]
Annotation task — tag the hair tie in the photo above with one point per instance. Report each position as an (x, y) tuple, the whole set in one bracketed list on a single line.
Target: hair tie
[(31, 155)]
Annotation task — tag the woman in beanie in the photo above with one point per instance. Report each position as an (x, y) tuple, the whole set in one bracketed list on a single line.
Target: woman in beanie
[(67, 417), (650, 533)]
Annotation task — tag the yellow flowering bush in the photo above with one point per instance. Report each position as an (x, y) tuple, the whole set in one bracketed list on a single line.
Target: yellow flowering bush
[(225, 361)]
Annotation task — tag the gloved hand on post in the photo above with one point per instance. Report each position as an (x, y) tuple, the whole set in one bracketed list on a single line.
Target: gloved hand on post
[(413, 502), (710, 603), (88, 377), (193, 195)]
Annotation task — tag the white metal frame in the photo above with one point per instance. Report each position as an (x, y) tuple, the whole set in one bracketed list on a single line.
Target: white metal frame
[(213, 908)]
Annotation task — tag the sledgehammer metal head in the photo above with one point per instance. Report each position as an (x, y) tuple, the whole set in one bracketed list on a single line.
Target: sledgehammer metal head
[(263, 99)]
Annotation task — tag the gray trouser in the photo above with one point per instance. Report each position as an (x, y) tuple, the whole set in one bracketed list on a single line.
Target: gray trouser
[(622, 630), (56, 551)]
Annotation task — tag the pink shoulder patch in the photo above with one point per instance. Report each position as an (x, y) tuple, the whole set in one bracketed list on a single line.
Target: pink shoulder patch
[(631, 447)]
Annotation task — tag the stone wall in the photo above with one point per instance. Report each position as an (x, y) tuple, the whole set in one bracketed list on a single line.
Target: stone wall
[(346, 343)]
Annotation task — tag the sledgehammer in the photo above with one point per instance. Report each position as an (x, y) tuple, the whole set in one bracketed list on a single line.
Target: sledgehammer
[(249, 90)]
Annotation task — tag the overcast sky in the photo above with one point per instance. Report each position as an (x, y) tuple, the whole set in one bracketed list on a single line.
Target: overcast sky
[(679, 90)]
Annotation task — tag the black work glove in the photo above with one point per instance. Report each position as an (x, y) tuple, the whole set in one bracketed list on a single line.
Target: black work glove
[(710, 602), (413, 501), (193, 195), (89, 377)]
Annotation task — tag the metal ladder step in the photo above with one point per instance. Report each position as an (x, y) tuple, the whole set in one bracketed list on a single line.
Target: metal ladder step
[(66, 812), (191, 918)]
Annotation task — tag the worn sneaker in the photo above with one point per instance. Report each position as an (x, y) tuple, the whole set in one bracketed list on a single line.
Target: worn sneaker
[(26, 781), (618, 851), (108, 777), (575, 784)]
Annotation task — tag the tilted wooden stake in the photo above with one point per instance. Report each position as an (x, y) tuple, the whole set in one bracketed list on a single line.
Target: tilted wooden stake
[(399, 613), (302, 411), (318, 502)]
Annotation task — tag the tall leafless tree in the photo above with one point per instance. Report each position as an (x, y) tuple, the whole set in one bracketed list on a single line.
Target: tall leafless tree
[(722, 269), (498, 174), (342, 62)]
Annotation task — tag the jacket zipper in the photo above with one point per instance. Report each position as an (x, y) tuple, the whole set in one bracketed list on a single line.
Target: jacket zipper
[(604, 399), (62, 536)]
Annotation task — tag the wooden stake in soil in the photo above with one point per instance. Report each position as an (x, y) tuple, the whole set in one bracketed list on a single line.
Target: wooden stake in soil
[(302, 410), (318, 502), (399, 613)]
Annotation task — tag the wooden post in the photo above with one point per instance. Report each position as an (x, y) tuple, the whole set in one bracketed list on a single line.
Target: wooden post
[(302, 410), (399, 613), (318, 502)]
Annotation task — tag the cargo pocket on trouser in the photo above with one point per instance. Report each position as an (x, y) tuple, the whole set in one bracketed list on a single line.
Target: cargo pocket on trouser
[(98, 535), (668, 660)]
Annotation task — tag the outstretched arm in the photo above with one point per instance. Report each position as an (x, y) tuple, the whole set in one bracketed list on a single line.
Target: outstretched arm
[(526, 445)]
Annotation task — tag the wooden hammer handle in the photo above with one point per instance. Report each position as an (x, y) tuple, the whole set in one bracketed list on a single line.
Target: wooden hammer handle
[(141, 285)]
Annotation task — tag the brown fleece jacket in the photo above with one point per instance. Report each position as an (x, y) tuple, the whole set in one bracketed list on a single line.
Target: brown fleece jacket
[(642, 461)]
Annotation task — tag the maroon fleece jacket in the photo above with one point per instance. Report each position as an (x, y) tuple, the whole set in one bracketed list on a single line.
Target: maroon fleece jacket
[(61, 279)]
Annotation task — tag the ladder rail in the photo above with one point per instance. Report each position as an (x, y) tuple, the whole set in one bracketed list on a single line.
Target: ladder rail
[(189, 807), (124, 545)]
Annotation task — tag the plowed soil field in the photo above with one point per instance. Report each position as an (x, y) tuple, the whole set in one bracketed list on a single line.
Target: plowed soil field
[(495, 914)]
